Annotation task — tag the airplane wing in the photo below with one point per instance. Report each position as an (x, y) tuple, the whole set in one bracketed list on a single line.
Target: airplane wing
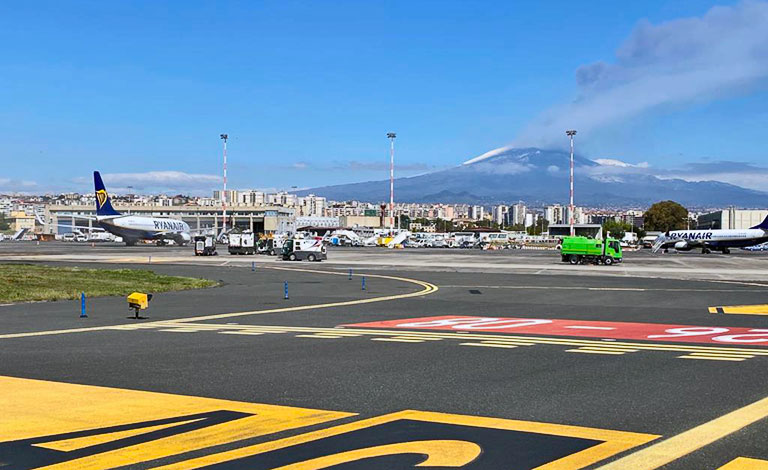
[(86, 229)]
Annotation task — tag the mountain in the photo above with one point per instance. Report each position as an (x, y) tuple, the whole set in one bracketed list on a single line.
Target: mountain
[(539, 176)]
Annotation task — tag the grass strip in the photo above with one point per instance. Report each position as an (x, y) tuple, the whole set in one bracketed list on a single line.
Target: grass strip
[(26, 282)]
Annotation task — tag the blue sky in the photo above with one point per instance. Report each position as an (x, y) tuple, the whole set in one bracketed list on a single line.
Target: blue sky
[(308, 90)]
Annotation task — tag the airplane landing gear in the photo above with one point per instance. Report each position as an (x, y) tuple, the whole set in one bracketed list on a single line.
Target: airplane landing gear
[(705, 251), (726, 251)]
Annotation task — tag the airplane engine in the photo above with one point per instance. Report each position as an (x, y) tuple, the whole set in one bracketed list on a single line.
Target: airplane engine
[(182, 238), (682, 246)]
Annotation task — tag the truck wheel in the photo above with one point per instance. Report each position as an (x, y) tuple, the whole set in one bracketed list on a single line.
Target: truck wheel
[(573, 259), (292, 257), (608, 261), (311, 258)]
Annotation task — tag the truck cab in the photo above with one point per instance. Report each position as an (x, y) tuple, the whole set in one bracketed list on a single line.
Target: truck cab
[(582, 250)]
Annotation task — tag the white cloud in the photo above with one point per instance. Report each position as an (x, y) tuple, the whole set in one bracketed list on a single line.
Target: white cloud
[(505, 168), (741, 174), (702, 58), (9, 185), (619, 163), (161, 181), (489, 154)]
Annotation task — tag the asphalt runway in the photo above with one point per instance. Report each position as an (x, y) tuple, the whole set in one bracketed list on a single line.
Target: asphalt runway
[(450, 369)]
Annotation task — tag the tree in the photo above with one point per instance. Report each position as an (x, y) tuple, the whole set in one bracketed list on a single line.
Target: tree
[(4, 225), (541, 226), (666, 215), (616, 229), (405, 221), (516, 228), (442, 225)]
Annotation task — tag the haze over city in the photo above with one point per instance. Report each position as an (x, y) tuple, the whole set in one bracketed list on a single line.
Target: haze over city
[(142, 90)]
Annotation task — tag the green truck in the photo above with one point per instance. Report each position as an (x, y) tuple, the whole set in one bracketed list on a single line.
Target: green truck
[(582, 250)]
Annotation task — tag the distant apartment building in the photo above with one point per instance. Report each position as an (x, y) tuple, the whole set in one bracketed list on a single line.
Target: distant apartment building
[(476, 212), (312, 205), (5, 206), (554, 214), (579, 216), (517, 214), (251, 198), (21, 220), (500, 214), (529, 219), (229, 197)]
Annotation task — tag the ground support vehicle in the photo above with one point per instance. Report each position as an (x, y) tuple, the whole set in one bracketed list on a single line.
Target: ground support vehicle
[(205, 246), (298, 249), (582, 250), (242, 243)]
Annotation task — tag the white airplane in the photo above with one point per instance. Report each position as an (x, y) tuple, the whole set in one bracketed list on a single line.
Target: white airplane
[(132, 228), (709, 240)]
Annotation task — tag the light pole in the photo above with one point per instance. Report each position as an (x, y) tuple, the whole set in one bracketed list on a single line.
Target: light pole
[(224, 137), (391, 136), (570, 135)]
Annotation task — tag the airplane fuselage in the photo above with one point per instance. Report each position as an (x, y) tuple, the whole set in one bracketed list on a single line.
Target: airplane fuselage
[(714, 239), (133, 228)]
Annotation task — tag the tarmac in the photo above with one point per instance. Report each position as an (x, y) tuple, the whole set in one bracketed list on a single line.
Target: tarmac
[(448, 358)]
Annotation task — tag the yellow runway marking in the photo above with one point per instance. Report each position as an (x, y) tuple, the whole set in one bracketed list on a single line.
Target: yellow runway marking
[(735, 354), (67, 445), (612, 442), (582, 345), (734, 357), (741, 310), (592, 351), (249, 333), (319, 336), (513, 343), (428, 288), (744, 463), (37, 409), (599, 348), (396, 340), (726, 359), (418, 338), (486, 345), (678, 446)]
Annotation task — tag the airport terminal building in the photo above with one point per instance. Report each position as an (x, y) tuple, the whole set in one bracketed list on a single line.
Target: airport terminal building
[(59, 219), (733, 219)]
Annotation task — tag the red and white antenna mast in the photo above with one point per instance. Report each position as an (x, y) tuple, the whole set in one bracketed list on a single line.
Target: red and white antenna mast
[(570, 134), (391, 136), (224, 137)]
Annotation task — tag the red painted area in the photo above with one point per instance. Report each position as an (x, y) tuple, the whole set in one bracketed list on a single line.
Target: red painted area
[(589, 329)]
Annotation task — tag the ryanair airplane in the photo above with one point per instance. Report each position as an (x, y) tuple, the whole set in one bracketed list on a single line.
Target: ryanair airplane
[(133, 228), (709, 240)]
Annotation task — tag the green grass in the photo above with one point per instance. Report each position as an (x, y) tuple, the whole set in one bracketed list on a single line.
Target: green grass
[(25, 282)]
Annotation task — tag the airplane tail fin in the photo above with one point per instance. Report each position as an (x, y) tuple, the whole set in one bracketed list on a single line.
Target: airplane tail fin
[(103, 204), (762, 225)]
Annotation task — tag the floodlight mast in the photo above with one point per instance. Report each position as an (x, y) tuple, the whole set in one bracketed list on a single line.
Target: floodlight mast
[(570, 134), (391, 136), (224, 137)]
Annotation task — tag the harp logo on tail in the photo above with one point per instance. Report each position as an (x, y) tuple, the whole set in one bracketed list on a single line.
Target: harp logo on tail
[(101, 197)]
